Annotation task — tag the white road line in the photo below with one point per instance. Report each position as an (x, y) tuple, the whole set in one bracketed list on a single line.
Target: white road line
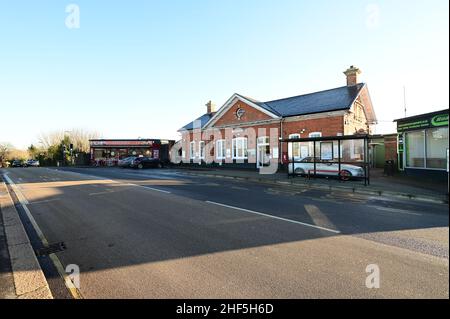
[(275, 217), (395, 210), (150, 188), (101, 193), (23, 202), (44, 201), (155, 189)]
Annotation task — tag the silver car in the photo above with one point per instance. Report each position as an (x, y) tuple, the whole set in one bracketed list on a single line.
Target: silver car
[(306, 166), (32, 163)]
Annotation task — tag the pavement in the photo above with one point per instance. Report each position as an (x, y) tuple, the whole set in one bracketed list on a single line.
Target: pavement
[(21, 274), (166, 234), (397, 186)]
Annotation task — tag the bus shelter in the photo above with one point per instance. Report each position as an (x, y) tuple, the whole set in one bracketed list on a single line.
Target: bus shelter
[(344, 157)]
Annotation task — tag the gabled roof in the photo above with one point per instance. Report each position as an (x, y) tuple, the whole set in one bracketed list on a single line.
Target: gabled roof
[(340, 98), (202, 120)]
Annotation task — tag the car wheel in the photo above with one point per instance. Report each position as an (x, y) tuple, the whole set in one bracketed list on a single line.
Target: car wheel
[(345, 175), (299, 171), (140, 166)]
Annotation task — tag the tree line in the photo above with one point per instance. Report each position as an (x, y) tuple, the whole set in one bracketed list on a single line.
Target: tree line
[(49, 149)]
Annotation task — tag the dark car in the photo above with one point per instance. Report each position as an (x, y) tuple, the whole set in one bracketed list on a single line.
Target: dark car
[(125, 162), (146, 162), (17, 163)]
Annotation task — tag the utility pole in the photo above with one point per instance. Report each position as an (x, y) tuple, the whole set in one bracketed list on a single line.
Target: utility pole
[(404, 98)]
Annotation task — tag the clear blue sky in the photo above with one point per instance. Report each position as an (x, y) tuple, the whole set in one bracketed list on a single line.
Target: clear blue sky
[(146, 68)]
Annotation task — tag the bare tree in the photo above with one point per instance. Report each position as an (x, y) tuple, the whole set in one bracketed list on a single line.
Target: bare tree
[(5, 150), (78, 137), (47, 140)]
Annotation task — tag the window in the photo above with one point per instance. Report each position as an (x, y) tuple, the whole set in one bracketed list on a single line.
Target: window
[(192, 150), (263, 140), (240, 148), (220, 147), (415, 156), (201, 146), (315, 134), (311, 144), (294, 148), (437, 144)]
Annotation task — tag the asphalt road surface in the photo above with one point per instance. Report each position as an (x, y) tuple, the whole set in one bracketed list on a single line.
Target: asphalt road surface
[(163, 234)]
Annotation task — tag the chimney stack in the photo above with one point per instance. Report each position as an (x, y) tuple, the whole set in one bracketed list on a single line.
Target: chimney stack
[(210, 107), (352, 75)]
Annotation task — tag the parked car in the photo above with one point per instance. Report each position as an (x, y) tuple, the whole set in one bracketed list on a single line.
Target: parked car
[(5, 164), (306, 166), (126, 162), (32, 163), (18, 163), (146, 162)]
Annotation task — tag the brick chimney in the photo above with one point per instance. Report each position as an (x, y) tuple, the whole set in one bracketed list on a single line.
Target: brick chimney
[(352, 75), (210, 107)]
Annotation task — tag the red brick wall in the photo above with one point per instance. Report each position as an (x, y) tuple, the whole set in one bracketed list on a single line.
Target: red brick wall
[(390, 146), (329, 126), (251, 115)]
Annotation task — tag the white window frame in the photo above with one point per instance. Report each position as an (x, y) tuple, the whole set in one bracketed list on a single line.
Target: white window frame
[(192, 150), (244, 143), (311, 144), (201, 149), (291, 146), (425, 142), (315, 134), (221, 149)]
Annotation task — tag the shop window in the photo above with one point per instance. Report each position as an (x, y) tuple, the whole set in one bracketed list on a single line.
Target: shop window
[(221, 152), (415, 156), (240, 148), (437, 144)]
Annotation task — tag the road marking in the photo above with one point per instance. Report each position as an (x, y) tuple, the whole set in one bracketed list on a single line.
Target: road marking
[(150, 188), (317, 216), (76, 294), (395, 210), (44, 201), (239, 188), (108, 191), (275, 217)]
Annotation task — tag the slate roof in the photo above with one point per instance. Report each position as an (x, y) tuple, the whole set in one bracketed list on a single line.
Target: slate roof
[(203, 120), (336, 99), (324, 101)]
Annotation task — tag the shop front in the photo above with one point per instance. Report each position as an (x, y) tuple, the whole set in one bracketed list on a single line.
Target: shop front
[(423, 145), (109, 152)]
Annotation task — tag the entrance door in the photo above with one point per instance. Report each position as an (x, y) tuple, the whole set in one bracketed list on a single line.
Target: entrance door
[(263, 152)]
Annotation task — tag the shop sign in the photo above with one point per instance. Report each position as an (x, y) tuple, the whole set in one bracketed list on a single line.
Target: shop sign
[(423, 123), (440, 120), (122, 143)]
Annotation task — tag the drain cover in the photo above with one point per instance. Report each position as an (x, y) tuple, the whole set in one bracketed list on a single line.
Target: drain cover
[(51, 249)]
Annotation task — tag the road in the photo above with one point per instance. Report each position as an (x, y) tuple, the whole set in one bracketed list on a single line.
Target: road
[(164, 234)]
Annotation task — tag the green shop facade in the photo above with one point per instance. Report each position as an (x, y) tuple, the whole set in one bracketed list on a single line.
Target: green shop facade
[(423, 144)]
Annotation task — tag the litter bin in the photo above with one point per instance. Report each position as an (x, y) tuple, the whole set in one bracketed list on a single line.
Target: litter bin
[(389, 168)]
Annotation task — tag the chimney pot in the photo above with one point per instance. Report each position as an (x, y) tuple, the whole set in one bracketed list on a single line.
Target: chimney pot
[(210, 107), (352, 75)]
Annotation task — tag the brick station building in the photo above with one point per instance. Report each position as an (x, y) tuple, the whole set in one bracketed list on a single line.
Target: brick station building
[(244, 132)]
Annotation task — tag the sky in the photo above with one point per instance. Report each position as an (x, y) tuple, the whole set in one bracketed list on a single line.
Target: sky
[(143, 69)]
